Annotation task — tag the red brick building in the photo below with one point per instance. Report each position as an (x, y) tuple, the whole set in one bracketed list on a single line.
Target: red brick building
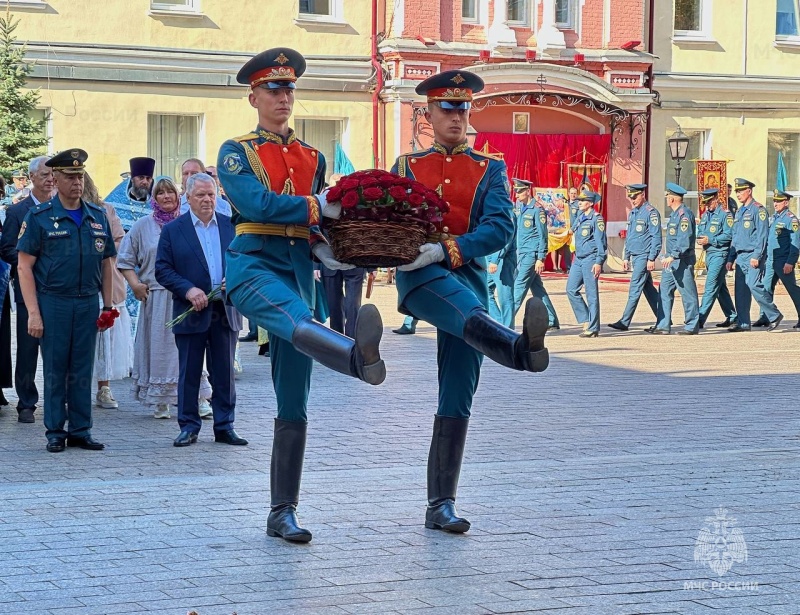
[(566, 84)]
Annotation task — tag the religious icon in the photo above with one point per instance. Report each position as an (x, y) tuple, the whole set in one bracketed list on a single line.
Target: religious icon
[(522, 123)]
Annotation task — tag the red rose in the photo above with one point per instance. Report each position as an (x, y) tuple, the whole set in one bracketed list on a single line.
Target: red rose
[(415, 199), (398, 193), (419, 188), (373, 194), (347, 183), (334, 194), (368, 182), (350, 199), (386, 181)]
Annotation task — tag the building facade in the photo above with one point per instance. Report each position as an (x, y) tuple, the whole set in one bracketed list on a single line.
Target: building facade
[(727, 73)]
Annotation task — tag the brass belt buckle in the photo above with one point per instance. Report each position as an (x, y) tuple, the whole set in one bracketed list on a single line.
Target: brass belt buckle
[(290, 230)]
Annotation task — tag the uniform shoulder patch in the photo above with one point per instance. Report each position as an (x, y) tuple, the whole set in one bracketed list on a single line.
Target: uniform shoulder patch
[(22, 230), (729, 219), (684, 224), (232, 163), (654, 218), (795, 224), (762, 214), (601, 224), (248, 137), (542, 217)]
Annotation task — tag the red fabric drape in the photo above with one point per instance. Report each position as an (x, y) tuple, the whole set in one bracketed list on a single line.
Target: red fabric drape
[(538, 158)]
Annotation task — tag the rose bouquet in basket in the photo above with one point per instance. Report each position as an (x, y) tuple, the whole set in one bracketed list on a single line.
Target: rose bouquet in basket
[(385, 218)]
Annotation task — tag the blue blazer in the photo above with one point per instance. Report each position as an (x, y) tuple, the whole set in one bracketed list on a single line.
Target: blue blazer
[(181, 265)]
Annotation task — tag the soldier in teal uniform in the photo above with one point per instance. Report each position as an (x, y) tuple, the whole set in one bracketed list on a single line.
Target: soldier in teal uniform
[(591, 250), (678, 265), (642, 246), (65, 249), (447, 286), (714, 235), (274, 183), (531, 251), (783, 250), (748, 254), (502, 270)]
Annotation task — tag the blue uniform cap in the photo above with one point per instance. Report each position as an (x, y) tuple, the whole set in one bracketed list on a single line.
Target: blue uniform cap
[(69, 161), (676, 190), (635, 189), (780, 195), (452, 89), (742, 184), (275, 68), (18, 173), (588, 195), (709, 194), (521, 184)]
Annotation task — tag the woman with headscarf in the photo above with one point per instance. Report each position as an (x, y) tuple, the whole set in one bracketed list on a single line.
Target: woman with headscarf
[(113, 356), (155, 358)]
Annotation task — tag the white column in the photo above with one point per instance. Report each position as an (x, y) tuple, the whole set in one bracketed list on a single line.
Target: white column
[(501, 37), (549, 39)]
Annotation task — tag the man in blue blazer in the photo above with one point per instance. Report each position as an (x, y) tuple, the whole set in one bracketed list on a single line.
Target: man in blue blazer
[(190, 263)]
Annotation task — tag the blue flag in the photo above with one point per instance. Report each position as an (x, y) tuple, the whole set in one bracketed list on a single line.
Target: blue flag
[(782, 178), (341, 163)]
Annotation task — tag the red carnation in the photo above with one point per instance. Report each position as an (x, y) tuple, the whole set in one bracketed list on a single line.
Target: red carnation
[(350, 200), (398, 193), (348, 183), (334, 194), (373, 194)]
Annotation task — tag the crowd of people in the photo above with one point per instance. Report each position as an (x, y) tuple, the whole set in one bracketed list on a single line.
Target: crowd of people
[(199, 258)]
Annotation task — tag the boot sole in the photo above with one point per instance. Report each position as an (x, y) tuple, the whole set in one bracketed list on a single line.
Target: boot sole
[(369, 330), (456, 528), (535, 324), (298, 538)]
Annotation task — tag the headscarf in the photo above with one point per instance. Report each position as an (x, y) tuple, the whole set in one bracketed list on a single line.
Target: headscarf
[(159, 215)]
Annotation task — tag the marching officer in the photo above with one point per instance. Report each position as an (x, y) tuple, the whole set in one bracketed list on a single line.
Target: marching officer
[(531, 251), (748, 254), (591, 249), (64, 260), (273, 182), (502, 270), (714, 235), (678, 265), (642, 246), (783, 250), (446, 285)]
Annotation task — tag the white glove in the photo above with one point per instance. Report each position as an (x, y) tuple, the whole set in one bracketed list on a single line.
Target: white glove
[(329, 210), (429, 253), (325, 255)]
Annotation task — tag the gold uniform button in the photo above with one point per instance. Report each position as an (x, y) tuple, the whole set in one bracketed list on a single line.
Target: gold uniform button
[(313, 154), (285, 150), (413, 161), (291, 170), (448, 159), (483, 163), (447, 181)]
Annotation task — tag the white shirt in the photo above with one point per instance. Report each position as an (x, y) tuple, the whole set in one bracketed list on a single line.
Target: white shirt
[(209, 241), (222, 207)]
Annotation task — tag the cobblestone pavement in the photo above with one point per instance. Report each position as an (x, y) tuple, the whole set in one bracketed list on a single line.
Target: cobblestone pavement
[(587, 487)]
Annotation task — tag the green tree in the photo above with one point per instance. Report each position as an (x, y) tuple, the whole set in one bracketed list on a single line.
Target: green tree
[(21, 136)]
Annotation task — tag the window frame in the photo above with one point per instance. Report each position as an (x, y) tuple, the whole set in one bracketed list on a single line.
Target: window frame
[(572, 11), (335, 16), (342, 132), (475, 19), (793, 172), (200, 118), (789, 39), (524, 23), (35, 5), (704, 34)]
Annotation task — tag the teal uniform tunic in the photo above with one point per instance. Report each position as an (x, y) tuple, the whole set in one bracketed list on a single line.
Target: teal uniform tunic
[(446, 294), (679, 275), (68, 275), (269, 180), (783, 249), (642, 244), (501, 283), (591, 248), (532, 245), (717, 226)]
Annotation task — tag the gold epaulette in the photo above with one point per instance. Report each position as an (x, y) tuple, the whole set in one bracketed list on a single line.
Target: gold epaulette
[(488, 155), (248, 137)]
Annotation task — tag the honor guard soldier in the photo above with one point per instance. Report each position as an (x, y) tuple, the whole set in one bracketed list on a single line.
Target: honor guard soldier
[(783, 249), (714, 235), (591, 249), (446, 285), (678, 265), (748, 254), (273, 181), (532, 246), (642, 247), (65, 249)]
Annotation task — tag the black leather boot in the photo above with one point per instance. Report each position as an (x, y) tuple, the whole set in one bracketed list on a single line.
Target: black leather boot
[(444, 467), (505, 346), (359, 357), (285, 471)]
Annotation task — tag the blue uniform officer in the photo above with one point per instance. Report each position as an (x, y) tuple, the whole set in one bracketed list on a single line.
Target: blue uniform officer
[(642, 247), (591, 250), (532, 242), (65, 249), (783, 250), (748, 254), (678, 265), (502, 270), (714, 234)]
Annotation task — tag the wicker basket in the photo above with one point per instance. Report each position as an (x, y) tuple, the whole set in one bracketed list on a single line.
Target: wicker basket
[(376, 244)]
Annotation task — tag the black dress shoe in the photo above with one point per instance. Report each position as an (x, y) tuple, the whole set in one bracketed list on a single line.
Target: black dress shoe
[(88, 443), (775, 323), (250, 337), (444, 516), (686, 332), (185, 438), (762, 321), (797, 326), (229, 437), (282, 523), (56, 445), (737, 328), (728, 322), (404, 330), (589, 334), (26, 416), (618, 326)]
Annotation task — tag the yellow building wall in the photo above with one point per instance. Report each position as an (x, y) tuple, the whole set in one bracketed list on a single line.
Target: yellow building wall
[(109, 120), (226, 25)]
